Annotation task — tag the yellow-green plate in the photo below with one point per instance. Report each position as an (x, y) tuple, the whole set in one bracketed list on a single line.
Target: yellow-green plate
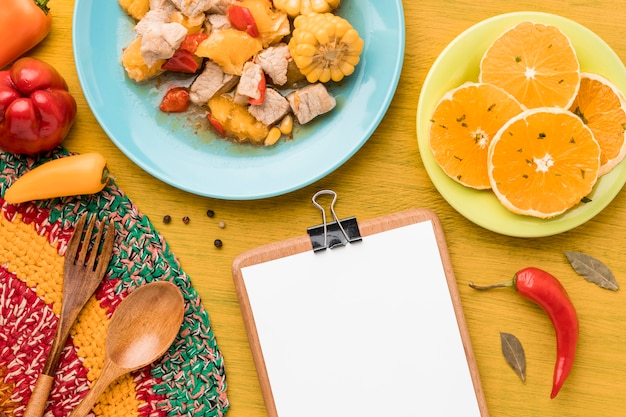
[(459, 62)]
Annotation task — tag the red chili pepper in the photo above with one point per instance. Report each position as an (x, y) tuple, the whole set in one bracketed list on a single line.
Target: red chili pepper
[(242, 19), (216, 124), (36, 110), (182, 61), (262, 87), (176, 100), (544, 289), (23, 24)]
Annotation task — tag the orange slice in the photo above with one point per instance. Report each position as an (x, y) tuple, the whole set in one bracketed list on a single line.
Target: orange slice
[(534, 62), (463, 124), (602, 107), (543, 162)]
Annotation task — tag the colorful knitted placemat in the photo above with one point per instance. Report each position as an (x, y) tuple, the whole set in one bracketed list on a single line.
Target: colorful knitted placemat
[(188, 380)]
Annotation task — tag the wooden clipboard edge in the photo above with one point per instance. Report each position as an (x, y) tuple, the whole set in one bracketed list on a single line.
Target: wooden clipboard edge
[(302, 243)]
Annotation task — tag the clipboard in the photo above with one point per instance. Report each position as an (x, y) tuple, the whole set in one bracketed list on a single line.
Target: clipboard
[(325, 343)]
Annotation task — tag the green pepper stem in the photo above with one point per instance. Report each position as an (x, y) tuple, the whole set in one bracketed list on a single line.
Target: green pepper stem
[(492, 286), (43, 5), (106, 176)]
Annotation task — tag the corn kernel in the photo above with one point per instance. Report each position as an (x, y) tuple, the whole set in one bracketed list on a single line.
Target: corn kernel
[(323, 35), (347, 68), (286, 125), (272, 137), (336, 73)]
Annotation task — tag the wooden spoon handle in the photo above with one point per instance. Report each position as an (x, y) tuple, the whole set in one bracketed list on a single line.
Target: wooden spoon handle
[(110, 372), (38, 399), (84, 407)]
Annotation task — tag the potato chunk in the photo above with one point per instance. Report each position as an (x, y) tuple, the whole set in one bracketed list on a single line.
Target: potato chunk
[(236, 121), (135, 66), (135, 8)]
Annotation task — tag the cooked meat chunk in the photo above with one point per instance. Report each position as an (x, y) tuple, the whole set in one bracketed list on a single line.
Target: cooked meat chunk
[(193, 8), (248, 87), (153, 17), (274, 108), (215, 22), (160, 4), (160, 41), (220, 6), (274, 61), (210, 82), (311, 101)]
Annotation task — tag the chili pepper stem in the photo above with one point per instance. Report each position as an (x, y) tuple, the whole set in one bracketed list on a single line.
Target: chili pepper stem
[(43, 5), (492, 286), (107, 175)]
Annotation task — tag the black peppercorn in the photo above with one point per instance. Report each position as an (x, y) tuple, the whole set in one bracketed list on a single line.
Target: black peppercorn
[(210, 213), (167, 218), (218, 243), (186, 220)]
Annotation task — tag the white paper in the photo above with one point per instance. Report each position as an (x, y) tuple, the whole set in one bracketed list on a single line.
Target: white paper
[(367, 329)]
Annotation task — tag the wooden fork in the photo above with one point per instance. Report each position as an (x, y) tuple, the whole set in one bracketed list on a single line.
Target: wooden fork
[(81, 277)]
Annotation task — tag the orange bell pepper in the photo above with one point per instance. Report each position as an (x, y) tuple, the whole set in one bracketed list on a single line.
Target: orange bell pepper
[(23, 24)]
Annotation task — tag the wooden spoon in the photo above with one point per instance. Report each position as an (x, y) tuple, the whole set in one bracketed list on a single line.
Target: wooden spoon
[(141, 330)]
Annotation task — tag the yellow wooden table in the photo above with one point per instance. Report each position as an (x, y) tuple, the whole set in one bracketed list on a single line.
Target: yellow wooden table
[(386, 175)]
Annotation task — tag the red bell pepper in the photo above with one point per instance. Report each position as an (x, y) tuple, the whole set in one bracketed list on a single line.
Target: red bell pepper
[(191, 42), (182, 61), (216, 124), (36, 108), (242, 19)]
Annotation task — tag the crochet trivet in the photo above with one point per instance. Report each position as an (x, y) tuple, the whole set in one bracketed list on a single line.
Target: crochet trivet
[(188, 380)]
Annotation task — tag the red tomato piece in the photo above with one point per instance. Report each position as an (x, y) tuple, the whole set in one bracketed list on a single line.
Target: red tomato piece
[(176, 100), (241, 18), (182, 61)]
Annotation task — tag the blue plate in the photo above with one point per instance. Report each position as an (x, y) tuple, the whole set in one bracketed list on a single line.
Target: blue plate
[(173, 149)]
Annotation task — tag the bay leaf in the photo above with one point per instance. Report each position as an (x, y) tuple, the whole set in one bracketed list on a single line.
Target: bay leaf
[(513, 352), (593, 270)]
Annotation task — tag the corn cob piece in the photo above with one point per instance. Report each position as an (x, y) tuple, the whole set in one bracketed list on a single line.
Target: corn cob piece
[(297, 7), (325, 47)]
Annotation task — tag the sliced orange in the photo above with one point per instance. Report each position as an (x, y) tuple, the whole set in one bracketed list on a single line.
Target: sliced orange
[(463, 125), (543, 162), (534, 62), (602, 107)]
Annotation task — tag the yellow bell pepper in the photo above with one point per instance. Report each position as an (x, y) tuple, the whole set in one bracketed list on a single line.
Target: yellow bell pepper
[(297, 7), (68, 176), (325, 47)]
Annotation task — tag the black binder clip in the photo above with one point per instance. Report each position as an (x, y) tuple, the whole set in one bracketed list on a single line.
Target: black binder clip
[(333, 234)]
